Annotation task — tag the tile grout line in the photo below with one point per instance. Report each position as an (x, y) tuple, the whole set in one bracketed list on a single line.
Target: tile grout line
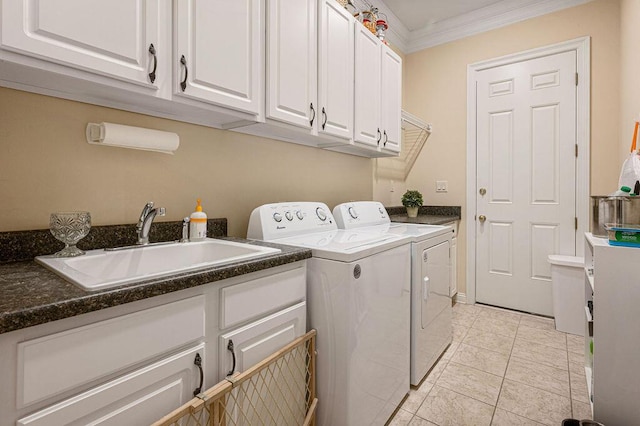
[(505, 373)]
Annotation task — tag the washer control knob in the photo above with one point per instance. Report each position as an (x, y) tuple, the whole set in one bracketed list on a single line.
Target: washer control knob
[(353, 213), (299, 215), (277, 217), (380, 210), (289, 216), (322, 215)]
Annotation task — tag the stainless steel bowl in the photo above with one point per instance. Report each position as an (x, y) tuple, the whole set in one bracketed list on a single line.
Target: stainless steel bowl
[(616, 210)]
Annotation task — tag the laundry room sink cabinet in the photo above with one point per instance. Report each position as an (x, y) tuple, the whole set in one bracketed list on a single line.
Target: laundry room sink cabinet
[(133, 363)]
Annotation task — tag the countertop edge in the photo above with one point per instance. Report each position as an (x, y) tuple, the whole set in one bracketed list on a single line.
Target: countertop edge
[(82, 302)]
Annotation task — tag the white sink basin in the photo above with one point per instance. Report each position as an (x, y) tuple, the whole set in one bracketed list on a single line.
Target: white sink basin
[(99, 269)]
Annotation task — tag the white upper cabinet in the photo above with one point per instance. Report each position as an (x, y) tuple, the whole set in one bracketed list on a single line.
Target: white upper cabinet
[(302, 71), (367, 124), (391, 100), (335, 70), (378, 96), (220, 52), (292, 62), (121, 39)]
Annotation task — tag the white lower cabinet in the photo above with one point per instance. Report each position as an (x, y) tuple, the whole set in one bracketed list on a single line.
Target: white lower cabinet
[(138, 398), (132, 364), (258, 318), (243, 348)]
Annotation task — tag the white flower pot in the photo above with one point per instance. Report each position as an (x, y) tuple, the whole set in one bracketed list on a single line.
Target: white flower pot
[(412, 211)]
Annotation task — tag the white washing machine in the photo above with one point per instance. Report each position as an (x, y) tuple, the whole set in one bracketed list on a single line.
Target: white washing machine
[(431, 328), (358, 298)]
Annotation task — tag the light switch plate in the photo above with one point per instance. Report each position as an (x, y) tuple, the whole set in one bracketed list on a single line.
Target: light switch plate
[(441, 185)]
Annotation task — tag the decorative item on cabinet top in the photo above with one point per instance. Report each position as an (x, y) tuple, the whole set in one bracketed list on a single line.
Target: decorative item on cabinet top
[(369, 16), (132, 137), (415, 133)]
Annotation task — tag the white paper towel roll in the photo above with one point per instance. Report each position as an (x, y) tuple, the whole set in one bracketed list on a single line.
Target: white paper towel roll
[(132, 137)]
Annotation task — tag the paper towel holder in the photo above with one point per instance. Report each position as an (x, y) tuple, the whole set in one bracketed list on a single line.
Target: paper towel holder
[(118, 135)]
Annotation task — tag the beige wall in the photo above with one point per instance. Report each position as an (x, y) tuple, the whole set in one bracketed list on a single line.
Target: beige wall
[(436, 85), (629, 72), (46, 165)]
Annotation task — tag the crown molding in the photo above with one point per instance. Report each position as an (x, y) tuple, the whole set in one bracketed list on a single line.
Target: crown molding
[(503, 13)]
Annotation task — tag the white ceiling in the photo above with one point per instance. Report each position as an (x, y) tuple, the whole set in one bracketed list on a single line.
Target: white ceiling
[(417, 14), (418, 24)]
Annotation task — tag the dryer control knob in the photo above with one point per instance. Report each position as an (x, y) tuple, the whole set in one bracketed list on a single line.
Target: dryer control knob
[(353, 213), (289, 216), (322, 215), (277, 217), (299, 215)]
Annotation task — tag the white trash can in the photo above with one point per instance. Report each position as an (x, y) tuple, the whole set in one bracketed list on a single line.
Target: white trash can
[(567, 282)]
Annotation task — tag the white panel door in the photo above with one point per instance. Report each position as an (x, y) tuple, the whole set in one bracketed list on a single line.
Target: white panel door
[(526, 127), (111, 38), (367, 88), (222, 46), (390, 99), (335, 76), (292, 62)]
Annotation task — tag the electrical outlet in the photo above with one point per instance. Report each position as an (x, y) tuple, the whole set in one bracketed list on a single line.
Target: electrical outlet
[(441, 186)]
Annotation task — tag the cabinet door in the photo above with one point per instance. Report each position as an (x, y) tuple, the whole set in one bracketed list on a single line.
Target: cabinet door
[(367, 88), (222, 46), (256, 341), (112, 38), (391, 99), (292, 62), (335, 76), (138, 398)]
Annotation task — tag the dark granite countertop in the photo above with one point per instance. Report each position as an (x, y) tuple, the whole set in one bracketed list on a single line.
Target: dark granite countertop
[(31, 294), (424, 219), (430, 215)]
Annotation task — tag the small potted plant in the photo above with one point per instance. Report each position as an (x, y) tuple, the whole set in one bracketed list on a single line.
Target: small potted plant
[(412, 200)]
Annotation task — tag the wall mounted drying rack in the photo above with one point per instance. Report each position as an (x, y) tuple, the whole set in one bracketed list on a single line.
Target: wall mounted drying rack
[(415, 133)]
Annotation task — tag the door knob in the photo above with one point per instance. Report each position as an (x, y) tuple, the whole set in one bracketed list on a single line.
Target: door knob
[(482, 218), (483, 191)]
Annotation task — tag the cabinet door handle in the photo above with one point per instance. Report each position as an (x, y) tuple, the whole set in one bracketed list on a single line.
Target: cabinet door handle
[(152, 74), (379, 136), (386, 138), (233, 354), (313, 110), (183, 83), (324, 114), (198, 362)]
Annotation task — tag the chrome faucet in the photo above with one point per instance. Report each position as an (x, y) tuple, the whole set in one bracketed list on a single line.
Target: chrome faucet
[(146, 218)]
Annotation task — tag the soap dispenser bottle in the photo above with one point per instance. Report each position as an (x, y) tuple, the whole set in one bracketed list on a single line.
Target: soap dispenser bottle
[(198, 224)]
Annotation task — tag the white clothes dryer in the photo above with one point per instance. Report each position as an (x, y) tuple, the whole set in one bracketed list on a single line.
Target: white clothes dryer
[(358, 297), (431, 313)]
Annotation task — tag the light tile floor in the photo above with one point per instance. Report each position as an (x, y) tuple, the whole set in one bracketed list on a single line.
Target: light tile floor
[(503, 368)]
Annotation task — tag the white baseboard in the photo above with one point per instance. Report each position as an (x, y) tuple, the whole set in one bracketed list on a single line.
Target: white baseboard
[(461, 298)]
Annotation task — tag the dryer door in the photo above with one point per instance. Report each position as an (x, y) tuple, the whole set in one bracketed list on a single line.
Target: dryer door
[(436, 270)]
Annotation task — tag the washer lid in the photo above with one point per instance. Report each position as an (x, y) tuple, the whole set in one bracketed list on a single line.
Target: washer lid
[(345, 245)]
